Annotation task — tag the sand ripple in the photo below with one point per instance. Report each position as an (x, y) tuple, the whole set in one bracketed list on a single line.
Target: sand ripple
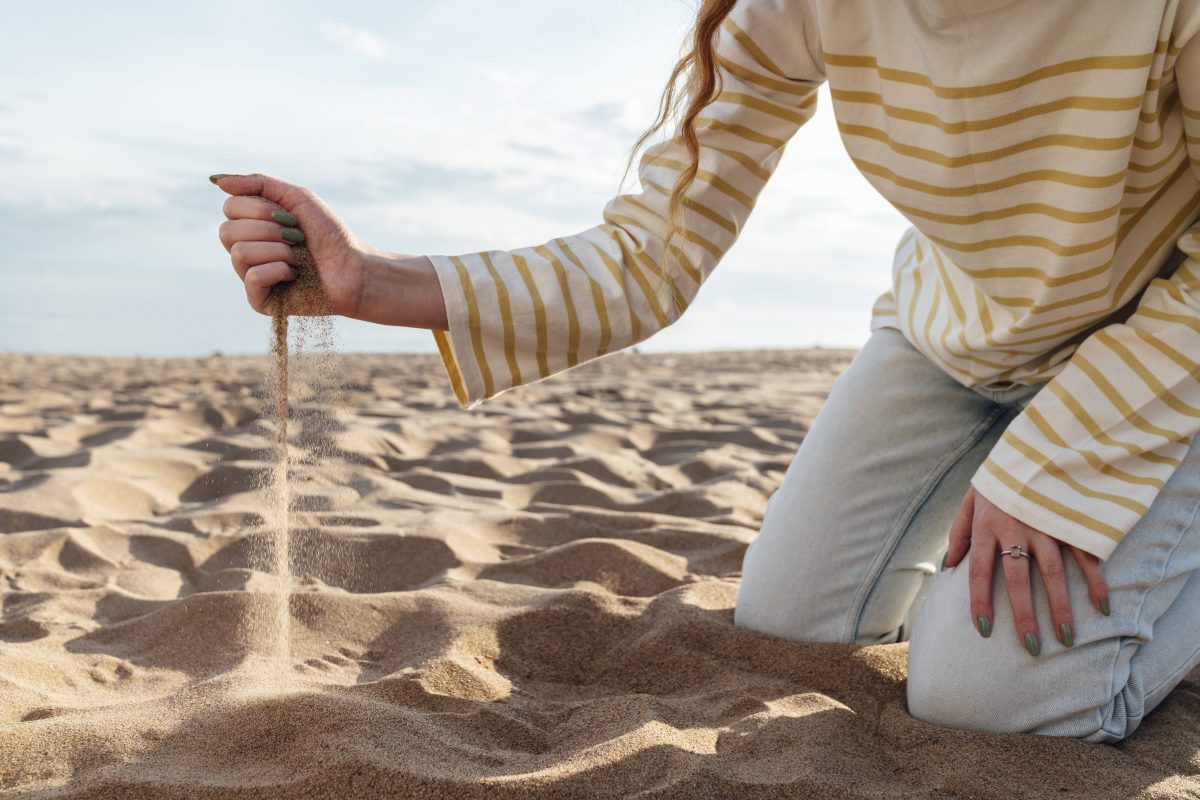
[(534, 599)]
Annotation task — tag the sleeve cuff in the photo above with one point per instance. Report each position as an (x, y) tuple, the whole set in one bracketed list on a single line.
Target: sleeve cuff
[(1001, 495), (456, 345)]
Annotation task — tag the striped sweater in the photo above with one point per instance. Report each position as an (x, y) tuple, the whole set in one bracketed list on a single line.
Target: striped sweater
[(1047, 154)]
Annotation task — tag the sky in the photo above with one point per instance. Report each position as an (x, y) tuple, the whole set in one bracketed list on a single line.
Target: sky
[(429, 127)]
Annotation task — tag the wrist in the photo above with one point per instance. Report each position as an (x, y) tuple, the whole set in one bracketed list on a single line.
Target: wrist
[(399, 289)]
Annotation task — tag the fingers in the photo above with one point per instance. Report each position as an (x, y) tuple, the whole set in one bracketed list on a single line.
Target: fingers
[(245, 255), (1020, 596), (246, 207), (260, 279), (1093, 573), (287, 195), (979, 578), (249, 230), (960, 530), (1054, 578)]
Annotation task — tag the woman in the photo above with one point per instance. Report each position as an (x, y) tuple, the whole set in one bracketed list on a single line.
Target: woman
[(1031, 385)]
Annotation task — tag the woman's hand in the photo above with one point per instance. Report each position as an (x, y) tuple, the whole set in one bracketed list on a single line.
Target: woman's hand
[(265, 217), (984, 530)]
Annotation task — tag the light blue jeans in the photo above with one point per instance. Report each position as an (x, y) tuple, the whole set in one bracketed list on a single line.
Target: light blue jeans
[(851, 538)]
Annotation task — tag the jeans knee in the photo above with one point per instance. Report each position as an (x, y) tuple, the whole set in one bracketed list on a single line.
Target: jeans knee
[(767, 605), (991, 686)]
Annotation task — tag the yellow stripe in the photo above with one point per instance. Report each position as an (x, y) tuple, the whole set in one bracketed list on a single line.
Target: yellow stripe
[(1192, 367), (745, 40), (938, 190), (916, 299), (708, 123), (1152, 144), (1093, 428), (960, 312), (597, 296), (539, 314), (752, 166), (572, 319), (1044, 209), (1040, 275), (802, 89), (1113, 396), (683, 231), (1046, 429), (1035, 308), (1181, 219), (1160, 390), (630, 260), (447, 354), (985, 89), (473, 324), (968, 126), (1165, 316), (1053, 505), (1040, 242), (619, 275), (785, 113), (703, 210), (1190, 114), (1154, 166), (984, 156), (1135, 270), (712, 179), (1044, 463), (510, 339), (688, 267)]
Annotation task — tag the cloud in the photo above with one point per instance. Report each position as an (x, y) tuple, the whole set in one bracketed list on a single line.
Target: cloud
[(359, 41), (378, 179), (537, 150)]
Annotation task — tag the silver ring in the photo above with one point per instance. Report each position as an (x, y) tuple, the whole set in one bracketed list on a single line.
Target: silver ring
[(1016, 551)]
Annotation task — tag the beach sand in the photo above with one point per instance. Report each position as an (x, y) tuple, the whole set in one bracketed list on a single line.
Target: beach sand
[(533, 599)]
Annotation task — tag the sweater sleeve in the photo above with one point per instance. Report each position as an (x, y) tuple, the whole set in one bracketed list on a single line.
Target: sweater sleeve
[(520, 316), (1091, 451)]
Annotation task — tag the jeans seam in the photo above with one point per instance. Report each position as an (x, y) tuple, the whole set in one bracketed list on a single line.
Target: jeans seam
[(1137, 620), (906, 515)]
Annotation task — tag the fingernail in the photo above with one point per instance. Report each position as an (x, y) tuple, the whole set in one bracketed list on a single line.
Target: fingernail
[(1066, 634), (985, 626), (942, 568), (284, 218), (1031, 643), (218, 176), (1104, 605), (292, 235)]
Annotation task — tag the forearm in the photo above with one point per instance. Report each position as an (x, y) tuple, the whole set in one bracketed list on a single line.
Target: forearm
[(400, 290)]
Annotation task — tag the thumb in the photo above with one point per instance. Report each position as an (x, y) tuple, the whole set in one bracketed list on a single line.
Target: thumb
[(960, 529), (280, 192)]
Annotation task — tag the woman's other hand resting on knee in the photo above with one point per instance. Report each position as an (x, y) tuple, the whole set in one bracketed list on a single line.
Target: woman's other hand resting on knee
[(981, 530), (266, 216)]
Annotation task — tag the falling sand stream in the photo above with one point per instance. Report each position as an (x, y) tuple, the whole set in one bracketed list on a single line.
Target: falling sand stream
[(304, 298)]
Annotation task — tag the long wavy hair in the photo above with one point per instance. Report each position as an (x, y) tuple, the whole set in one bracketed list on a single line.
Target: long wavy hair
[(702, 85)]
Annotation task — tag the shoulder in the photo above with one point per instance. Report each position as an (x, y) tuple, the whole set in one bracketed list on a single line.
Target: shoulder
[(787, 31)]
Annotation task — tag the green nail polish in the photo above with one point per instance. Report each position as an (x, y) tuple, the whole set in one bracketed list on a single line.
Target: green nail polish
[(294, 235), (284, 218), (1031, 643), (218, 176), (1104, 606), (1067, 636), (942, 568), (985, 626)]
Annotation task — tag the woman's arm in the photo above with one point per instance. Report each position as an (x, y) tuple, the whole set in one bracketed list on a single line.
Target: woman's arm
[(502, 318), (1091, 451)]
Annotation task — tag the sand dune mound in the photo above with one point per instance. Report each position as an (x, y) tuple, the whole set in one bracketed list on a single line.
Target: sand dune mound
[(531, 600)]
